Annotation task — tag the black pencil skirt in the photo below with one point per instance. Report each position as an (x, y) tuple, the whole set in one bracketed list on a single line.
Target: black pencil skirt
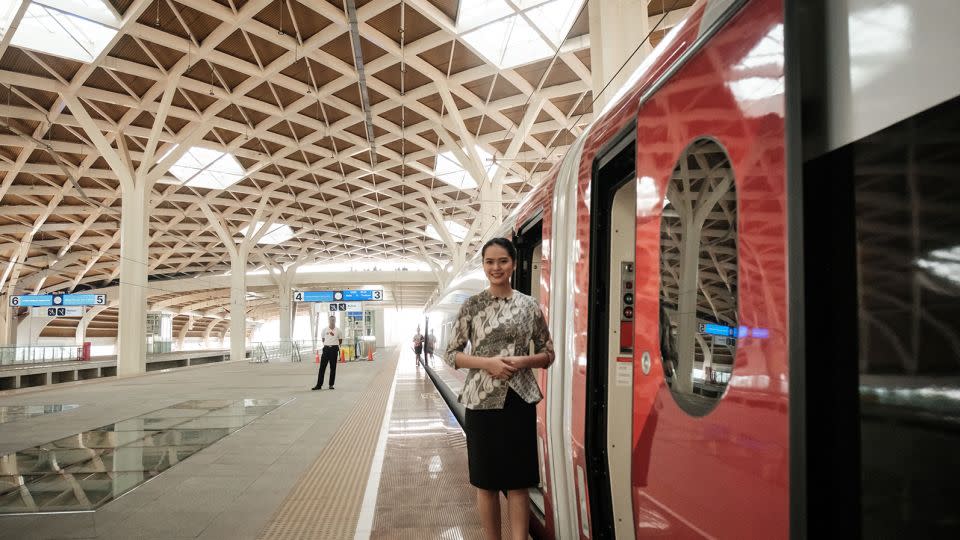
[(502, 445)]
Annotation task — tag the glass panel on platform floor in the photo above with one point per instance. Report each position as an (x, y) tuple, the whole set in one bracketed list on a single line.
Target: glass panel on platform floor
[(86, 470)]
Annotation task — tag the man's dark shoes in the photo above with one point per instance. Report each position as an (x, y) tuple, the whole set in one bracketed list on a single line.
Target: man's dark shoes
[(317, 388), (331, 388)]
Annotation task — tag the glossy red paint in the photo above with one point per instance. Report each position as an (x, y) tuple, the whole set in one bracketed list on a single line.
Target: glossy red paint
[(724, 474), (609, 125)]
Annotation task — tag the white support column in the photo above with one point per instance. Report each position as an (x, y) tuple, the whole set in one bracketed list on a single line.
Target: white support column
[(616, 28), (238, 306), (182, 337), (8, 326), (315, 322), (134, 254), (207, 331), (687, 304), (238, 272), (285, 290), (693, 209)]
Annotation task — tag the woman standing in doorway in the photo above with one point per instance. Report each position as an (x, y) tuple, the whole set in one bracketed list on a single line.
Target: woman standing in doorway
[(501, 392)]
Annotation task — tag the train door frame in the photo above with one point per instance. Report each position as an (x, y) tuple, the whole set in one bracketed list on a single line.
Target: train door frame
[(619, 153), (821, 252), (529, 240)]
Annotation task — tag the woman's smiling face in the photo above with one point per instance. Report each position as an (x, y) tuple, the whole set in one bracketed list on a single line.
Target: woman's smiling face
[(497, 265)]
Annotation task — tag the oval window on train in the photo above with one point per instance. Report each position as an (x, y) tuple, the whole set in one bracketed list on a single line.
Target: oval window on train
[(698, 277)]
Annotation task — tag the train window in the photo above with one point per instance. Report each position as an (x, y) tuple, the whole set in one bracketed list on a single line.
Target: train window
[(529, 241), (698, 277)]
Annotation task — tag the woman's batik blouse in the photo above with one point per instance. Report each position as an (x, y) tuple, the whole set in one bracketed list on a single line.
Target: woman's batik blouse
[(499, 327)]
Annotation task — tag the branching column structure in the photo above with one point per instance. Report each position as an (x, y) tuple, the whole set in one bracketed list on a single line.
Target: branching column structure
[(136, 185), (693, 209), (239, 253), (284, 277)]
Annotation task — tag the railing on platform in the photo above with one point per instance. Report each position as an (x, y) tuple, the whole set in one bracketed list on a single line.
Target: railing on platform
[(39, 354), (280, 351)]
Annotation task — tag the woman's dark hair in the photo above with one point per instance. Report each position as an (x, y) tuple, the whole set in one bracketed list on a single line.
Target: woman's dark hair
[(505, 243)]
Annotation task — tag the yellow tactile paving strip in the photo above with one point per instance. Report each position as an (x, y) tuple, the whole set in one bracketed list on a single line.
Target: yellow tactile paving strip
[(326, 503)]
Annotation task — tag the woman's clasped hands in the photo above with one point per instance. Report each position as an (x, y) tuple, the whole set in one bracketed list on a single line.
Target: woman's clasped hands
[(502, 367)]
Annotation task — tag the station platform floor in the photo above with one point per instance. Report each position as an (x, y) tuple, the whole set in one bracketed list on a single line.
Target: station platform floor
[(237, 451)]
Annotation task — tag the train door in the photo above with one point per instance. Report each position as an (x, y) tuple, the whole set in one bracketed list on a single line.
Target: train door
[(610, 348), (526, 279)]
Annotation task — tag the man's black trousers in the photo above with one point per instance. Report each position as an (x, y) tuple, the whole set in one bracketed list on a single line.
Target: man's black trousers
[(329, 355)]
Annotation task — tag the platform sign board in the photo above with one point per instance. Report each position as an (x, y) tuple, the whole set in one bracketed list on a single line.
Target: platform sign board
[(55, 300), (84, 299), (357, 295), (363, 295), (313, 296), (31, 300), (345, 306), (63, 311)]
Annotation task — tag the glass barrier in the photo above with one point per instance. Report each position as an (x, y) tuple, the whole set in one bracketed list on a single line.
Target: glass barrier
[(39, 354)]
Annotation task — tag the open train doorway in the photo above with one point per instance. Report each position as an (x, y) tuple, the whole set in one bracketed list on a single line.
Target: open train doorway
[(609, 405)]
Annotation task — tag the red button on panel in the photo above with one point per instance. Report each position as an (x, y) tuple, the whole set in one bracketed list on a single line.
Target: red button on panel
[(628, 285)]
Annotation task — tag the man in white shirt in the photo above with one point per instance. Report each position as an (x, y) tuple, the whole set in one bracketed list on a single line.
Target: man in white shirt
[(332, 338)]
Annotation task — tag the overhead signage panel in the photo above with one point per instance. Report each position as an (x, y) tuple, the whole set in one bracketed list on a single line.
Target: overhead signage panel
[(313, 296), (356, 295), (46, 300), (363, 295), (345, 306), (63, 311), (31, 300), (84, 299)]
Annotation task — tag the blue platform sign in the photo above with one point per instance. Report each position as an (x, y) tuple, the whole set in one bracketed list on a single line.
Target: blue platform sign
[(57, 300), (363, 295), (313, 296), (84, 300), (32, 300), (718, 330)]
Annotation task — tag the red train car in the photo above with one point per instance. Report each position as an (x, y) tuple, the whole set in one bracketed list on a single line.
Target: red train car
[(659, 247)]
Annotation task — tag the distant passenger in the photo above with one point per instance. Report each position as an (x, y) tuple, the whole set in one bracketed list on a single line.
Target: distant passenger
[(418, 344), (332, 339), (430, 346), (500, 392)]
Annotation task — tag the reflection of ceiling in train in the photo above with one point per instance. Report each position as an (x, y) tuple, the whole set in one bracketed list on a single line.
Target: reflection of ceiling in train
[(706, 168), (908, 232), (704, 173), (274, 86)]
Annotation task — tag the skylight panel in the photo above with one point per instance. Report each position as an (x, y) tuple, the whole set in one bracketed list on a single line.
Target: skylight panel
[(206, 168), (75, 29), (457, 231), (474, 13), (276, 234), (555, 19), (491, 39), (450, 171), (524, 45), (507, 39)]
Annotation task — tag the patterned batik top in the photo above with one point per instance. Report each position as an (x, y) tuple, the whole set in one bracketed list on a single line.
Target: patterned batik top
[(499, 327)]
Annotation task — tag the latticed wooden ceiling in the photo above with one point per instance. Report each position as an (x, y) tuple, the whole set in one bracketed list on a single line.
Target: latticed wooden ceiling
[(335, 110)]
